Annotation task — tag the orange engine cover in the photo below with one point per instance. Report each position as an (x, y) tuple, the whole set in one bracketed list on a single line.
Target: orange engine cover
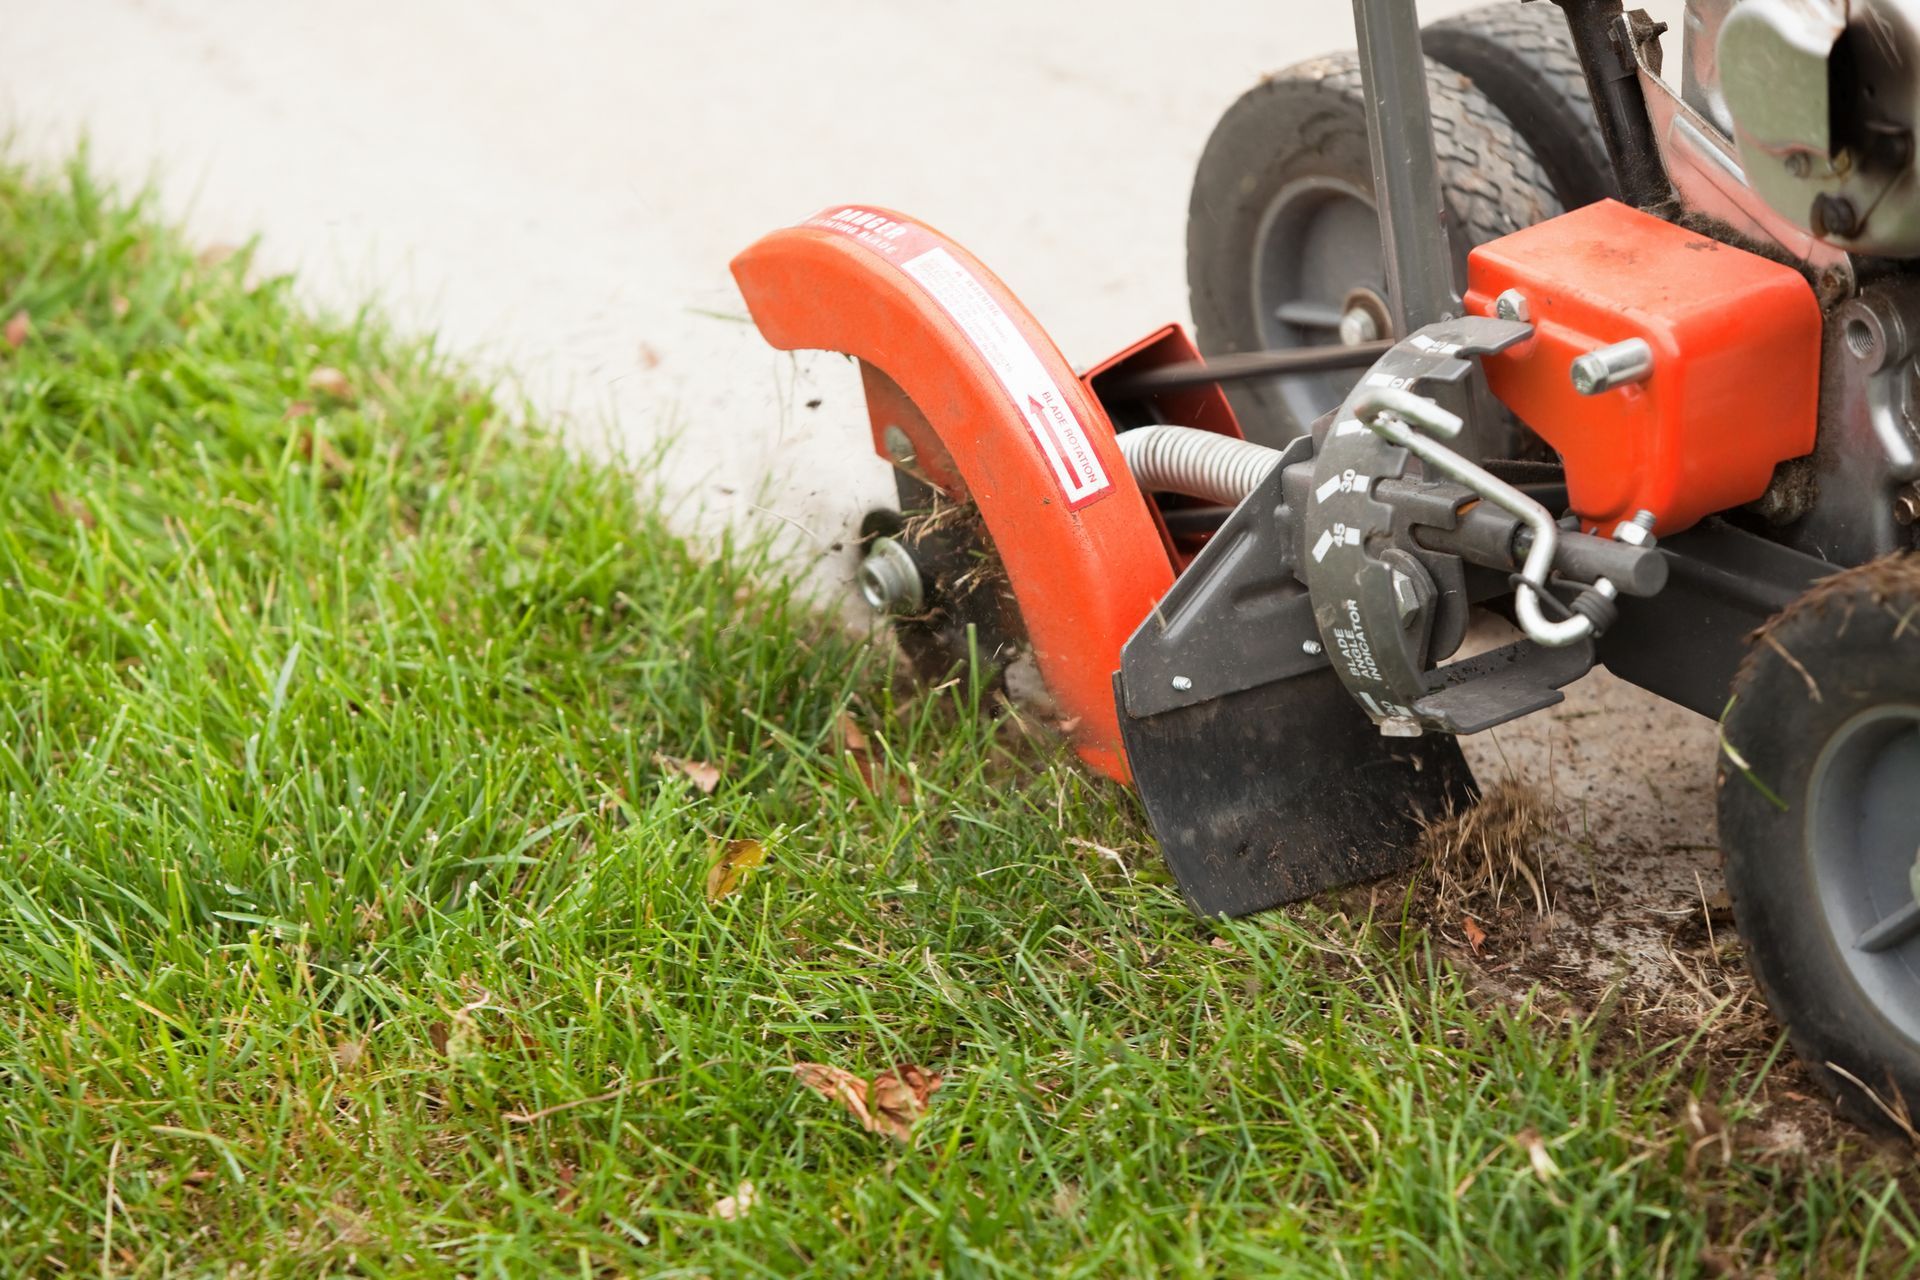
[(1735, 384)]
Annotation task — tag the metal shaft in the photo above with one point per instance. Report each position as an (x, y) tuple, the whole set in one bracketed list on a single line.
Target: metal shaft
[(1406, 176)]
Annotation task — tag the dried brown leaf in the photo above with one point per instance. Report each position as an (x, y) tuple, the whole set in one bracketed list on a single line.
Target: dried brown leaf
[(18, 328), (730, 869), (1538, 1156), (899, 1097), (320, 451), (73, 509), (888, 1104), (1475, 934), (701, 774), (329, 381)]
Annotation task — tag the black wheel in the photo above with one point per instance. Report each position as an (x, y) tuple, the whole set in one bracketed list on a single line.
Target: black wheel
[(1820, 829), (1282, 241), (1521, 57)]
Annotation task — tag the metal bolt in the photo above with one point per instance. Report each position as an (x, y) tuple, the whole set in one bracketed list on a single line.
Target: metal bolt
[(1406, 597), (1512, 305), (1637, 532), (1906, 504), (1834, 215), (1614, 365), (889, 579), (1182, 684), (1311, 648), (899, 446), (1357, 325)]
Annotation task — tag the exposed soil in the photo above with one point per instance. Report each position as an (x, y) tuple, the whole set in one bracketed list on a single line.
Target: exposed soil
[(1589, 880)]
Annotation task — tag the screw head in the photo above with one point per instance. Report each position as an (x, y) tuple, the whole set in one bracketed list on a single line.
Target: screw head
[(1357, 325), (1631, 534), (1182, 684), (1512, 305), (1311, 648)]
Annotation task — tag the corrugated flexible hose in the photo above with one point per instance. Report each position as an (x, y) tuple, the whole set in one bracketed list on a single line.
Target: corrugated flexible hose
[(1200, 464)]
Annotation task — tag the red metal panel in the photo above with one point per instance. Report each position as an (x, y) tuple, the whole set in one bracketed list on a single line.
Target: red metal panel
[(1736, 361), (1203, 408), (990, 405)]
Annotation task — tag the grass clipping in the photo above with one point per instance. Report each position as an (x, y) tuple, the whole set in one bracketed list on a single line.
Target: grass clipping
[(1482, 857)]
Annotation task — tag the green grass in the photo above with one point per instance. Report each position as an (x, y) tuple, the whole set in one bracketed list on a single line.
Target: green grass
[(349, 924)]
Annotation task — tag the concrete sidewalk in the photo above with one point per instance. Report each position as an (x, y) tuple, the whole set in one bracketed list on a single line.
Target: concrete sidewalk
[(557, 188)]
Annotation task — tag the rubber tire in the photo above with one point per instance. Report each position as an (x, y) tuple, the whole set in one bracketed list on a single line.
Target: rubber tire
[(1521, 57), (1310, 120), (1857, 636)]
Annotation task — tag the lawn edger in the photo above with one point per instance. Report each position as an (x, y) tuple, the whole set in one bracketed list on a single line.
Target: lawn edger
[(1487, 316)]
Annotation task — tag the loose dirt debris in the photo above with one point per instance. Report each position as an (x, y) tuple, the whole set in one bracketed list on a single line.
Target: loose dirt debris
[(1587, 882)]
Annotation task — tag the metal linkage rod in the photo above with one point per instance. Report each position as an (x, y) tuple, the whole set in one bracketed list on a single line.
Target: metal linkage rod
[(1406, 176)]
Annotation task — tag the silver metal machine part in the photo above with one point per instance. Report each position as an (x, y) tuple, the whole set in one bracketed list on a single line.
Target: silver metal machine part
[(1618, 364), (1200, 464), (1705, 169), (1401, 417), (889, 578), (1824, 96), (1406, 176)]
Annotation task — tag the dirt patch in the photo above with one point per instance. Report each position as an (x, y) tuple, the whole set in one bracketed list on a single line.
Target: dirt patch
[(1588, 883)]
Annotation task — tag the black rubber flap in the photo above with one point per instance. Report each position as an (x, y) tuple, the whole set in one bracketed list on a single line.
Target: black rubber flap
[(1274, 793)]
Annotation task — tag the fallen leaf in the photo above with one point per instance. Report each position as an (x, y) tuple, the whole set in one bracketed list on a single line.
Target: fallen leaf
[(1221, 944), (856, 747), (701, 774), (320, 450), (852, 737), (889, 1104), (18, 328), (728, 871), (899, 1097), (71, 509), (1475, 934), (298, 409), (329, 381), (737, 1204), (1537, 1155)]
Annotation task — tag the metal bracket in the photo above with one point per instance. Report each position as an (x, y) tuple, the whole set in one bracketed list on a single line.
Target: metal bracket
[(1238, 617)]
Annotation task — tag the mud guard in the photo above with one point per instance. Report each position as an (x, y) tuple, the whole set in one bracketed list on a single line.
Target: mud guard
[(995, 416)]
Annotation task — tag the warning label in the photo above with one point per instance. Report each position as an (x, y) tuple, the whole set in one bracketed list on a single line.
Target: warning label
[(1063, 440)]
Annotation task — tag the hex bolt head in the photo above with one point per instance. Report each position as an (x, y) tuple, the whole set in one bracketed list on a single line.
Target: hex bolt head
[(1182, 684), (889, 578), (1617, 364), (1406, 597), (1637, 532), (1357, 325), (1512, 305)]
